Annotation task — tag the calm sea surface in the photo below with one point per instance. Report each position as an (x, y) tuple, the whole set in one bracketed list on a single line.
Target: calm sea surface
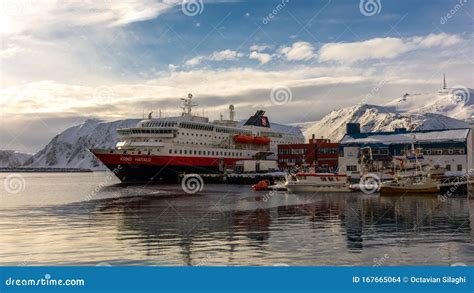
[(89, 219)]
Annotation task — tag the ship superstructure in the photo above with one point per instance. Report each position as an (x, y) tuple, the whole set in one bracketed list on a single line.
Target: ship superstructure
[(159, 149)]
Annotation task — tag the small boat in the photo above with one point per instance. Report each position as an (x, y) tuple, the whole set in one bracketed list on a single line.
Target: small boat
[(280, 186), (318, 182), (261, 185), (416, 184)]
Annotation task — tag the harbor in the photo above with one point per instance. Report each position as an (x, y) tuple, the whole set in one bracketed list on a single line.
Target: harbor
[(61, 219)]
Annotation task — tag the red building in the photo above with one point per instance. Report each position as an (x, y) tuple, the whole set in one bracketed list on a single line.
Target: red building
[(320, 153)]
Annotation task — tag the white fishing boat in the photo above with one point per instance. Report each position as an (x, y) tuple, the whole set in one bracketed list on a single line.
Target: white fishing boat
[(318, 182), (420, 182)]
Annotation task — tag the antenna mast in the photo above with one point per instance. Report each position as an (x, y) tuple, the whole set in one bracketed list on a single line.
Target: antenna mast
[(187, 105)]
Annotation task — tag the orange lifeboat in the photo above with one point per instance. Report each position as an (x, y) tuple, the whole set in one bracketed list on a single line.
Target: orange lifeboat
[(261, 140), (243, 138), (261, 185)]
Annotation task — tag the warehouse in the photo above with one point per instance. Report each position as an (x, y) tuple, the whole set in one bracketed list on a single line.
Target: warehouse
[(449, 150)]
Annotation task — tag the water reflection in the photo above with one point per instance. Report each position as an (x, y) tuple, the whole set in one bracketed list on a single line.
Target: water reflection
[(230, 225)]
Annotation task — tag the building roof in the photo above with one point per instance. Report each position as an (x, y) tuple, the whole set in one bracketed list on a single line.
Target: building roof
[(459, 135)]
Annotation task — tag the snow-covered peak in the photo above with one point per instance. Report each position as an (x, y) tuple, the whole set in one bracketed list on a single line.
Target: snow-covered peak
[(69, 149), (13, 159), (453, 102), (378, 118)]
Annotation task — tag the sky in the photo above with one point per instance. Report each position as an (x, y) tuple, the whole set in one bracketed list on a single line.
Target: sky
[(65, 61)]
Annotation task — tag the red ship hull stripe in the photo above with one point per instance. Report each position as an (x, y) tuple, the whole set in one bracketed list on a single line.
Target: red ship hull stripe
[(163, 160)]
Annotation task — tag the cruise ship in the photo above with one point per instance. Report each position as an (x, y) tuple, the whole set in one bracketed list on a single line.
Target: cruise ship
[(161, 149)]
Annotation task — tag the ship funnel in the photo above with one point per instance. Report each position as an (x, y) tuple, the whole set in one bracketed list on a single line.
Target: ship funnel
[(231, 112)]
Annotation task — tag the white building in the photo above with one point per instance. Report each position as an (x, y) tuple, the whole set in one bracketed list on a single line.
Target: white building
[(449, 150)]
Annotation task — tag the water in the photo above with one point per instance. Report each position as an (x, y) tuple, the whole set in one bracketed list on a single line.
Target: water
[(89, 219)]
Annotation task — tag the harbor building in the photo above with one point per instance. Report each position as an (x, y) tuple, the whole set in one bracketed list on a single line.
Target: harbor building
[(320, 153), (446, 150)]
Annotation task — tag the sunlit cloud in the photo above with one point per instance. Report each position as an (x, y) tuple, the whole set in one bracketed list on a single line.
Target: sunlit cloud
[(383, 48)]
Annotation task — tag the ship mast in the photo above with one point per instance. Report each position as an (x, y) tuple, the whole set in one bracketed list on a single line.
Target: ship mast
[(187, 105)]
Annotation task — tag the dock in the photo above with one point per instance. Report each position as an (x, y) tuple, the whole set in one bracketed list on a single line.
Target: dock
[(241, 178)]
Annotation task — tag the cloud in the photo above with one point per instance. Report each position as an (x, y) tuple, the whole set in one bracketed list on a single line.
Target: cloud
[(382, 48), (259, 48), (437, 40), (50, 15), (263, 58), (214, 56), (225, 55), (194, 61), (299, 51)]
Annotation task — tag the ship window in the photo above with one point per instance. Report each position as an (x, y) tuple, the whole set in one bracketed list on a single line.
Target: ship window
[(175, 151), (180, 152), (195, 152), (139, 152), (351, 168), (448, 167), (459, 167), (199, 152), (185, 152), (171, 151)]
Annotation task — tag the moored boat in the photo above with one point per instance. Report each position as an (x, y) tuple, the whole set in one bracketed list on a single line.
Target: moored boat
[(318, 182), (161, 149), (416, 184)]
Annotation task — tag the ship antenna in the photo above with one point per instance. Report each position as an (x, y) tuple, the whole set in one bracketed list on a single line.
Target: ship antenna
[(444, 81), (187, 105)]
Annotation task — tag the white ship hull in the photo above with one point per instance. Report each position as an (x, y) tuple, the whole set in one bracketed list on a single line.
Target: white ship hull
[(298, 187), (318, 182)]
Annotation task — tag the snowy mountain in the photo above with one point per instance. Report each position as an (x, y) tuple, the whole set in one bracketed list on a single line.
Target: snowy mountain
[(452, 102), (69, 149), (13, 159), (378, 118)]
